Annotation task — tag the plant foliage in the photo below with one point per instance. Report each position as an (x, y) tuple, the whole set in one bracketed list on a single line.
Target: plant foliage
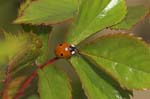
[(108, 67)]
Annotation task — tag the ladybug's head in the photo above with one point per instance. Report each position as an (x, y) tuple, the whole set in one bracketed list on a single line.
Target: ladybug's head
[(65, 50)]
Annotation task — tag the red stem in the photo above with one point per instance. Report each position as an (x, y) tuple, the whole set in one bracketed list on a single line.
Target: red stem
[(31, 77), (6, 83)]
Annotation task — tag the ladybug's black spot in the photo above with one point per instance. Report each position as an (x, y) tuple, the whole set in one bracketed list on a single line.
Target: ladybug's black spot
[(60, 44), (61, 54)]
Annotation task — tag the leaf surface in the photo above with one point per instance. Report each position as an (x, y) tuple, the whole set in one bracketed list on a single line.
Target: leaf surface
[(23, 49), (43, 33), (53, 84), (135, 14), (18, 76), (94, 85), (123, 57), (95, 15), (46, 11)]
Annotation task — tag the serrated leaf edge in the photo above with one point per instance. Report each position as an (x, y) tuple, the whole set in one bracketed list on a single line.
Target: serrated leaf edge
[(147, 14), (125, 8), (68, 80), (107, 72), (21, 14), (83, 87), (121, 34)]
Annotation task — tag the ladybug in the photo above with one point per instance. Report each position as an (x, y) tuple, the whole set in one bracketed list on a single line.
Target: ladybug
[(65, 50)]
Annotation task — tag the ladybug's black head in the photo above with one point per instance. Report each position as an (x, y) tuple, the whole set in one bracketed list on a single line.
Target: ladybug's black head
[(72, 49)]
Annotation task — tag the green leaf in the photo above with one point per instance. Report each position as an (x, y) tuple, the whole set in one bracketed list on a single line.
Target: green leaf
[(18, 76), (94, 85), (95, 15), (40, 29), (17, 42), (57, 36), (123, 57), (17, 50), (45, 50), (135, 14), (8, 11), (33, 97), (77, 91), (23, 43), (28, 52), (46, 11), (53, 84), (43, 33)]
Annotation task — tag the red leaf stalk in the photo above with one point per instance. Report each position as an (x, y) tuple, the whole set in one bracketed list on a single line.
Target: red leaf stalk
[(6, 83), (31, 77)]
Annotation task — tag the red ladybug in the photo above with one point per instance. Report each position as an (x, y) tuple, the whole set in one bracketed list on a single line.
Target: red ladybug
[(65, 50)]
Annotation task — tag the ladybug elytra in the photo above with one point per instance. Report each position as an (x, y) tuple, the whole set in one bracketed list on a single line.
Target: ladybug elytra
[(65, 50)]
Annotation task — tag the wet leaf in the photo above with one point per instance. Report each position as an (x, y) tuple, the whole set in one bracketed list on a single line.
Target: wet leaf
[(94, 85), (46, 11), (53, 84), (94, 16), (123, 57), (135, 14)]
